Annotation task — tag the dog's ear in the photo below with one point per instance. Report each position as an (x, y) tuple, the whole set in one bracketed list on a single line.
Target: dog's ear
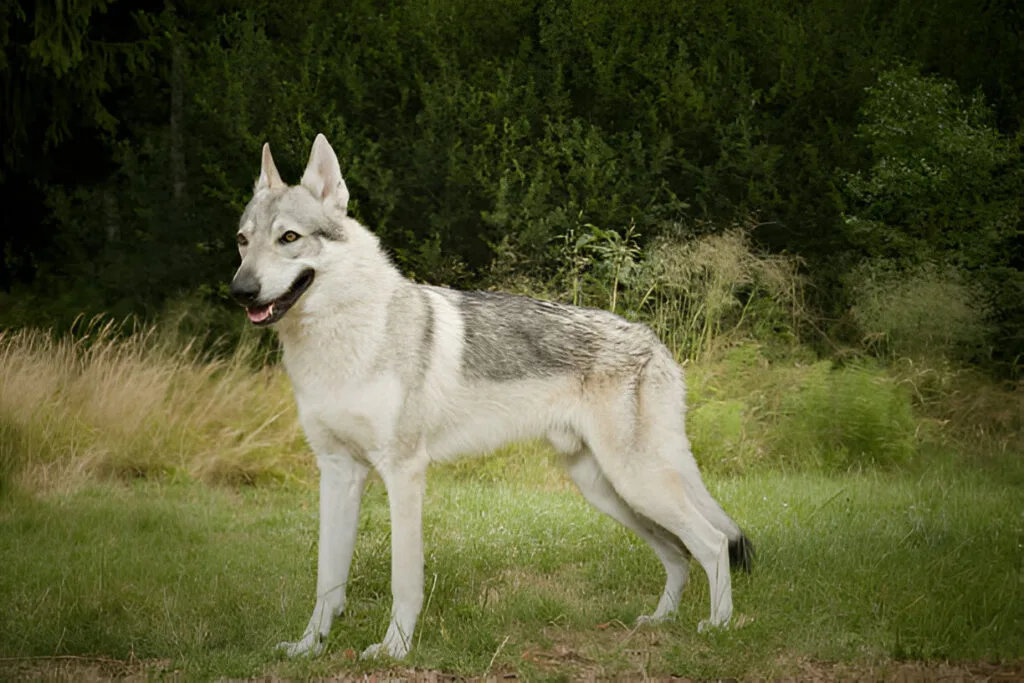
[(323, 175), (269, 177)]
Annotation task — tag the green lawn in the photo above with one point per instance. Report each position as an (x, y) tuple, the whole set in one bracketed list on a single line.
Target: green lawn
[(522, 577)]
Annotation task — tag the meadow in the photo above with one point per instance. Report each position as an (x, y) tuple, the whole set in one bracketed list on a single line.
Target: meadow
[(158, 509)]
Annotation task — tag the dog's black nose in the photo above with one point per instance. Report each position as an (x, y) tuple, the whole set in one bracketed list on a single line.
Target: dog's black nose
[(245, 288)]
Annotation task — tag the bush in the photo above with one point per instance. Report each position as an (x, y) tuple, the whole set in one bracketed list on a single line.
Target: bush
[(944, 187), (854, 416), (747, 412), (709, 292), (963, 408), (924, 311), (724, 435), (943, 184)]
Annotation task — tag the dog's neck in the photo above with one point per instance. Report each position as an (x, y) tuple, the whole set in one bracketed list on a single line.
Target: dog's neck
[(347, 331)]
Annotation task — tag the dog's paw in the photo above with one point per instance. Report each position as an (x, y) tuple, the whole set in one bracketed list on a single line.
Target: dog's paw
[(311, 645), (395, 650), (374, 651), (706, 625), (650, 619)]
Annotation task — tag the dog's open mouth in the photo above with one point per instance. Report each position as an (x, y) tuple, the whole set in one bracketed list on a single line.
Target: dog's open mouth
[(268, 314)]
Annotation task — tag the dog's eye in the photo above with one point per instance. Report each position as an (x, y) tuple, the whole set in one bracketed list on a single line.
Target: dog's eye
[(242, 241), (289, 237)]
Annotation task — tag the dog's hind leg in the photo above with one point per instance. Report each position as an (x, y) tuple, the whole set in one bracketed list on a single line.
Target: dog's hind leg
[(637, 453), (656, 492), (596, 488)]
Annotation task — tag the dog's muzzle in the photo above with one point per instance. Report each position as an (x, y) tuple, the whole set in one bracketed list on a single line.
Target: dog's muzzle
[(245, 289)]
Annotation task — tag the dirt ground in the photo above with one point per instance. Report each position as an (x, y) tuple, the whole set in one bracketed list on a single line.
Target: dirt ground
[(92, 670)]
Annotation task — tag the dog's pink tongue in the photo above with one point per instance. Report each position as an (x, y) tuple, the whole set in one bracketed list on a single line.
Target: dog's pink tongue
[(258, 315)]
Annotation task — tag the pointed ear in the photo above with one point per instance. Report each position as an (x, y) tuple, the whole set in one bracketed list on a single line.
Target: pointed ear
[(323, 175), (269, 177)]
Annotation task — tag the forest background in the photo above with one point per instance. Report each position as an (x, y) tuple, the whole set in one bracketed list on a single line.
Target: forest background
[(486, 142)]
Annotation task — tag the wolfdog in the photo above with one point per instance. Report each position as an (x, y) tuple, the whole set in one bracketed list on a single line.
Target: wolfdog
[(393, 375)]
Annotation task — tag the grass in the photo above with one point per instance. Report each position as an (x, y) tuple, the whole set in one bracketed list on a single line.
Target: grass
[(804, 414), (113, 406), (523, 577), (158, 514), (109, 403)]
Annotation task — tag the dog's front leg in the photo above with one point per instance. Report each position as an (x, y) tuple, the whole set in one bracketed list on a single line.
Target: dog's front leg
[(406, 485), (342, 480)]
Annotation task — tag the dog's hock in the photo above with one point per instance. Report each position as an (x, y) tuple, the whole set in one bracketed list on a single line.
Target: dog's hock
[(322, 176)]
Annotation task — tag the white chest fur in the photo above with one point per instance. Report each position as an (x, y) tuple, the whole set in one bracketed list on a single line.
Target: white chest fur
[(359, 416), (344, 402)]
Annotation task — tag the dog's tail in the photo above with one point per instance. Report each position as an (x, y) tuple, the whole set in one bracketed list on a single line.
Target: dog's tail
[(741, 549), (741, 553)]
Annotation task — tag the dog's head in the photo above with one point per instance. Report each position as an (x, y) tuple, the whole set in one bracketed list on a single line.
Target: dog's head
[(288, 233)]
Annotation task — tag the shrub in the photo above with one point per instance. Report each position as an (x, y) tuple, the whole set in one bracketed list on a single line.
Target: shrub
[(918, 311), (701, 294), (748, 412), (943, 183), (943, 187), (847, 417)]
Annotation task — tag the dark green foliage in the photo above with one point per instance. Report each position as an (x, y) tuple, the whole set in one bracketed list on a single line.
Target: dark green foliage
[(465, 127), (944, 186)]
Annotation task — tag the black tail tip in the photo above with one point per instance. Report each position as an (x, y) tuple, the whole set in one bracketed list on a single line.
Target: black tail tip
[(741, 553)]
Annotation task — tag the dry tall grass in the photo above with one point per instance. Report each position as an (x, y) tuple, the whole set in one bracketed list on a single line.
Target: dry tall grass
[(921, 312), (708, 293), (111, 403)]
